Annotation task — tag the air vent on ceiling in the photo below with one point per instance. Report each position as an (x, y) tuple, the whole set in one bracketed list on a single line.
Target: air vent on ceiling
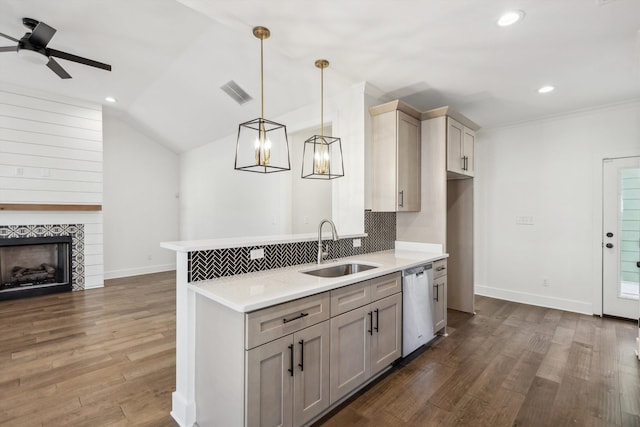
[(604, 2), (238, 94)]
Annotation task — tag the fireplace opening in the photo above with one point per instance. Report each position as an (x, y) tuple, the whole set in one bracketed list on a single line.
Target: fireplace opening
[(34, 266)]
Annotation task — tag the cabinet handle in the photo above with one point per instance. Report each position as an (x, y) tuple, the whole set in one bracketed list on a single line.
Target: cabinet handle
[(295, 318), (290, 359), (401, 204), (370, 323), (377, 320), (462, 158), (466, 163), (301, 364), (442, 267), (437, 292)]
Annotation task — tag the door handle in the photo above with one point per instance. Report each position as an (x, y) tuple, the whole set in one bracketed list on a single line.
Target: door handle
[(638, 264), (290, 359), (370, 323), (609, 234), (609, 245), (377, 320), (301, 364), (437, 292)]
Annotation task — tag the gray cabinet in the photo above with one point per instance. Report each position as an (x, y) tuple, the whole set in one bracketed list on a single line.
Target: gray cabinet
[(439, 296), (395, 158), (288, 379), (460, 149), (386, 336), (366, 339)]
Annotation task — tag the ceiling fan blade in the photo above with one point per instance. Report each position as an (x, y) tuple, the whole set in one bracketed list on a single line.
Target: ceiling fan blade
[(42, 34), (8, 49), (9, 37), (57, 68), (79, 59)]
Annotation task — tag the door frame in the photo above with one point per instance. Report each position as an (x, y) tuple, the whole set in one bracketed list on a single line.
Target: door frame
[(598, 226)]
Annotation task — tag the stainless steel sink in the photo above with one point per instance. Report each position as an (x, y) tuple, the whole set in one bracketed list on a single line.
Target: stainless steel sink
[(339, 270)]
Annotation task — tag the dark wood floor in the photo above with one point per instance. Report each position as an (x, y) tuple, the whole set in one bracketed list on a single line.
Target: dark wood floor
[(511, 365), (102, 357), (106, 357)]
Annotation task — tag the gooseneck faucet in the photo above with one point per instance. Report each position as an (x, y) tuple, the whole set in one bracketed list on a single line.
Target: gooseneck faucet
[(334, 234)]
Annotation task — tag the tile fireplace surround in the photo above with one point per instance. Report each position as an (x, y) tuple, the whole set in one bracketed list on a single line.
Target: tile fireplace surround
[(76, 231)]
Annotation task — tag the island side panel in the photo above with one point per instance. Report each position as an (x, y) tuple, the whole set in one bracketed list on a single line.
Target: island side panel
[(220, 364), (183, 404)]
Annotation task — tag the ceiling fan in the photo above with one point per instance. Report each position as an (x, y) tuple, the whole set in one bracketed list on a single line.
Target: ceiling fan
[(33, 47)]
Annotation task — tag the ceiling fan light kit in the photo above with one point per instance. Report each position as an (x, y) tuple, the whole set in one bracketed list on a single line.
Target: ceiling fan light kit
[(262, 145), (322, 155), (33, 48)]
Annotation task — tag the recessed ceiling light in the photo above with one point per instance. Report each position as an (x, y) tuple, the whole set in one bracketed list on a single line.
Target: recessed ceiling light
[(510, 18), (546, 89), (110, 99)]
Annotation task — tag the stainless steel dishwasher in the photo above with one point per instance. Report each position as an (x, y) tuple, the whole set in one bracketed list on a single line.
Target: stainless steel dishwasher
[(417, 317)]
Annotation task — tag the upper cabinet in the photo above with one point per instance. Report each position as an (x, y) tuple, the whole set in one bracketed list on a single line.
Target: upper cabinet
[(395, 158), (461, 141), (460, 148)]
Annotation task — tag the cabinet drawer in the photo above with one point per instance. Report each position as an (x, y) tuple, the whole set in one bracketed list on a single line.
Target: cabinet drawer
[(350, 297), (273, 322), (440, 268), (384, 286)]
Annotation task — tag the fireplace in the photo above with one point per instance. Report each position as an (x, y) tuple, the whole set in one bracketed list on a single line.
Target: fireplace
[(34, 266)]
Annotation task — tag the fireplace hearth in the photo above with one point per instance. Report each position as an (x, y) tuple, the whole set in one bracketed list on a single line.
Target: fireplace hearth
[(35, 266)]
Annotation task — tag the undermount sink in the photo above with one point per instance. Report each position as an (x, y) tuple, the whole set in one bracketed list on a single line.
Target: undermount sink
[(339, 270)]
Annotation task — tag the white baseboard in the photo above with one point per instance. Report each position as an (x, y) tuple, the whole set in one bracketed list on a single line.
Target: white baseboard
[(93, 286), (536, 299), (128, 272)]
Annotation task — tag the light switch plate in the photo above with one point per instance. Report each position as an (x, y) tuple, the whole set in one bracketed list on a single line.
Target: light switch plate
[(357, 243), (524, 220), (257, 253)]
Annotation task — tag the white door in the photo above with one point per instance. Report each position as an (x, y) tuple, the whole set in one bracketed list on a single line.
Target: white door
[(621, 237)]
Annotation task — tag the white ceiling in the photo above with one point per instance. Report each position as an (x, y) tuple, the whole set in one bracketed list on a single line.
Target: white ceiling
[(170, 58)]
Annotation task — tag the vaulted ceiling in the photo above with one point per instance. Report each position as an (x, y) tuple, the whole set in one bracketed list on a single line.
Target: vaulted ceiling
[(170, 57)]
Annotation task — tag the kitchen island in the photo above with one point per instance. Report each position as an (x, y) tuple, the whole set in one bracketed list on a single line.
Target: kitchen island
[(213, 319)]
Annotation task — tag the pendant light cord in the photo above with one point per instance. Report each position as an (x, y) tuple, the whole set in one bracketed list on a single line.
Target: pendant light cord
[(261, 79), (321, 101)]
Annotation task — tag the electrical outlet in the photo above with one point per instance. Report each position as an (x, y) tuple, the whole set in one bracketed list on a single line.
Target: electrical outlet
[(305, 219), (257, 253), (19, 171), (45, 172), (357, 243), (545, 281)]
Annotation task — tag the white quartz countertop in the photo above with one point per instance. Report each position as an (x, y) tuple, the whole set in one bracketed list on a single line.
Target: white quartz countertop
[(253, 291)]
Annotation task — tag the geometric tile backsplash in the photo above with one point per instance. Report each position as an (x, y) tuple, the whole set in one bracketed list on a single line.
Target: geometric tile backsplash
[(208, 264), (76, 231)]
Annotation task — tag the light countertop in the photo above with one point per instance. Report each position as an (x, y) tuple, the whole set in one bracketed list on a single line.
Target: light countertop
[(253, 291)]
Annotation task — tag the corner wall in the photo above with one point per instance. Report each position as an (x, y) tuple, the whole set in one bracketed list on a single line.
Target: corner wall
[(141, 206), (550, 170)]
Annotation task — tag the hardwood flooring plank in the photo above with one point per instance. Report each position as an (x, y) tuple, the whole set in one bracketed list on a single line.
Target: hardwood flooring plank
[(535, 408)]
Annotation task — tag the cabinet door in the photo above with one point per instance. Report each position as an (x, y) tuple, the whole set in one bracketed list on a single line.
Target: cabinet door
[(270, 384), (350, 341), (408, 166), (468, 150), (386, 342), (455, 137), (439, 300), (311, 374)]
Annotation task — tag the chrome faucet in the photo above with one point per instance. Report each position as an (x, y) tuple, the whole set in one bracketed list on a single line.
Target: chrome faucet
[(334, 234)]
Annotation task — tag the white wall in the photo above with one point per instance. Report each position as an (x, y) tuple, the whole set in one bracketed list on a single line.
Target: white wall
[(551, 170), (51, 153), (141, 206)]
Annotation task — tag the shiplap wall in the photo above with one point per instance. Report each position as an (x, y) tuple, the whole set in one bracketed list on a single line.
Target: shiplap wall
[(51, 153)]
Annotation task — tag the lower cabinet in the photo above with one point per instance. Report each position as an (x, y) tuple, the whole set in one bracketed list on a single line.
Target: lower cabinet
[(288, 379), (439, 301), (363, 342)]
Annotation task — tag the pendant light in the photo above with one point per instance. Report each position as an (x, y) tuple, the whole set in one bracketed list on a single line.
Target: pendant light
[(322, 155), (262, 145)]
